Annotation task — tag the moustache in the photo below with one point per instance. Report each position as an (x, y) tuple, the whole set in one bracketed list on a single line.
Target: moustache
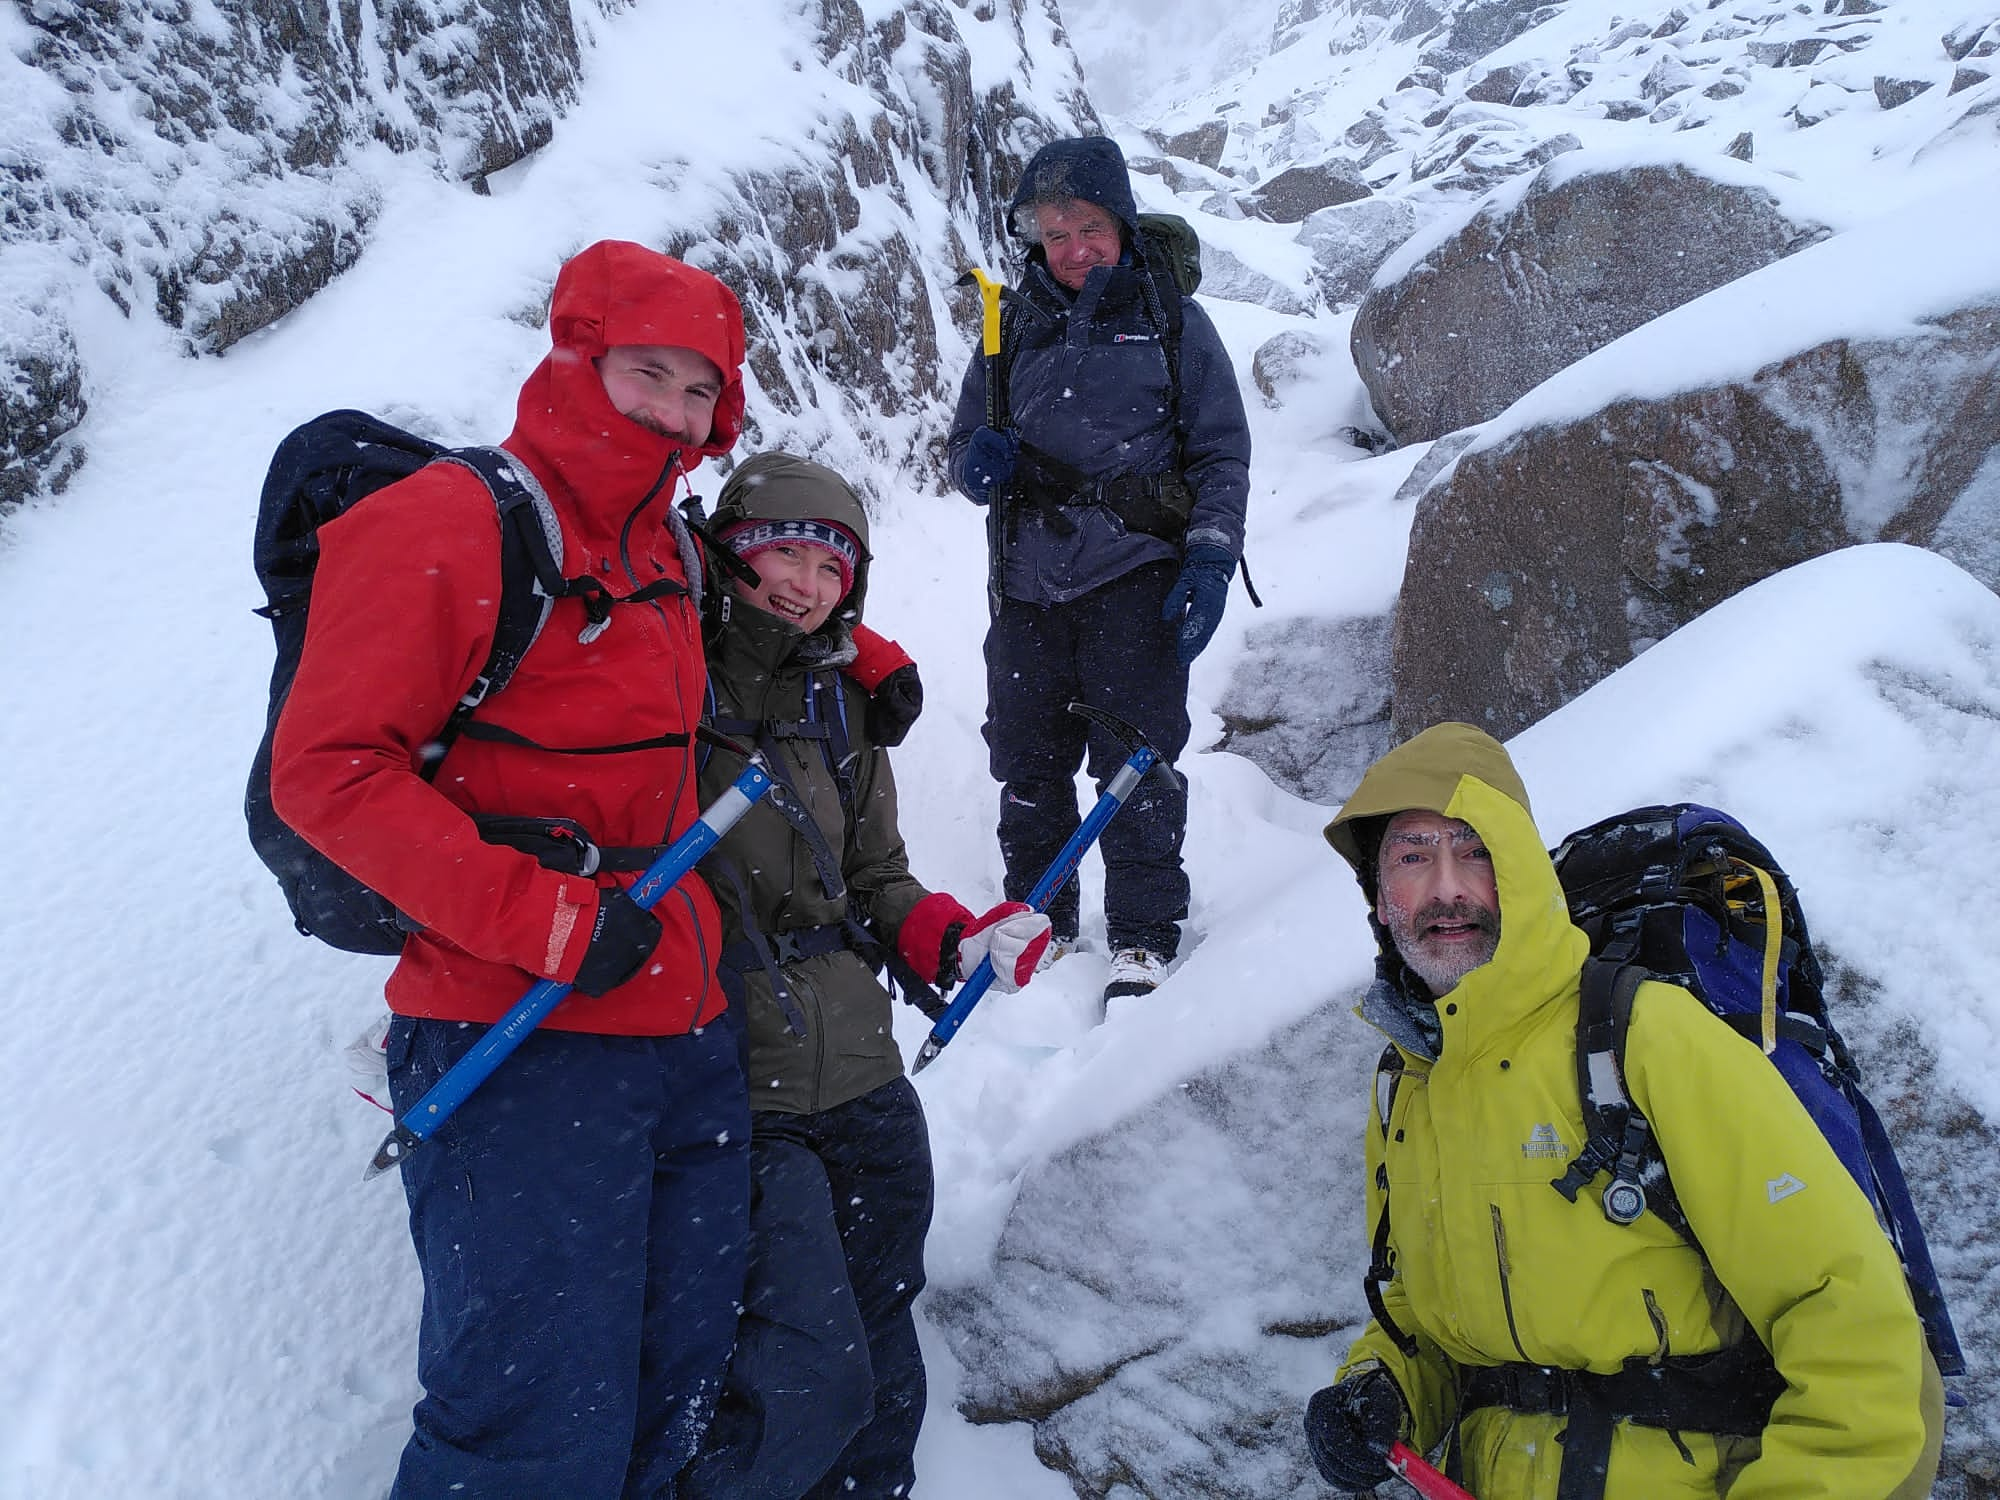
[(1462, 913)]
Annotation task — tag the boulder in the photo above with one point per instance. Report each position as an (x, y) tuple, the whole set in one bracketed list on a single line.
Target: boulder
[(1226, 275), (1350, 241), (1309, 703), (1161, 1302), (1894, 93), (40, 405), (1544, 562), (1477, 151), (1537, 279), (1500, 85), (1203, 144), (1481, 27), (1297, 192)]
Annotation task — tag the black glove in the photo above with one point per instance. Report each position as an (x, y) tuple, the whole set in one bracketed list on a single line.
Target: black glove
[(1350, 1426), (894, 705), (622, 939)]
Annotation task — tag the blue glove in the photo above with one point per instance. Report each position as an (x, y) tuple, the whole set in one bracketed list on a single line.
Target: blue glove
[(1197, 598), (989, 462)]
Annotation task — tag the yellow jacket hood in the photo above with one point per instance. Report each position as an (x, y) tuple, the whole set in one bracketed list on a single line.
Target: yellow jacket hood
[(1461, 772)]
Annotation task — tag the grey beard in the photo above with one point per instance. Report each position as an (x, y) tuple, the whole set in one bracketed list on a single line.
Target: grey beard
[(1442, 971)]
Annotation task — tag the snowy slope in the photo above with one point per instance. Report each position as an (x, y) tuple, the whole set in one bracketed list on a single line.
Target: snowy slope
[(200, 1296)]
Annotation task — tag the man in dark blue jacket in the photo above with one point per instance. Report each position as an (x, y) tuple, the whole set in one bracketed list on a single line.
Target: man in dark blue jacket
[(1119, 477)]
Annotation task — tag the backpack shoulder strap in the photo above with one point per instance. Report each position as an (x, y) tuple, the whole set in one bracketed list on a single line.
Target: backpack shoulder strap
[(1381, 1267), (531, 578), (1618, 1136)]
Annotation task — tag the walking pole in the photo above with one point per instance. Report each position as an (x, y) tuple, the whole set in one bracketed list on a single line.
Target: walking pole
[(1143, 760), (997, 416), (473, 1069), (1408, 1465)]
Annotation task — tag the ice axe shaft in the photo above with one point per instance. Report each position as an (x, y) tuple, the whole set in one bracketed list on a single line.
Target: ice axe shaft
[(996, 413), (1409, 1466), (1143, 759), (470, 1071)]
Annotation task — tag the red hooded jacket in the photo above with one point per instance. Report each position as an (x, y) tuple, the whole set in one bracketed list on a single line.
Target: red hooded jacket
[(405, 604)]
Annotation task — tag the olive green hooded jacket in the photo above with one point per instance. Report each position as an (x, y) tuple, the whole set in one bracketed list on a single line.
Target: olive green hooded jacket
[(1493, 1266), (759, 667)]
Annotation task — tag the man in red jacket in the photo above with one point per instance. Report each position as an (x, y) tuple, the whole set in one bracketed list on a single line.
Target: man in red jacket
[(580, 1220)]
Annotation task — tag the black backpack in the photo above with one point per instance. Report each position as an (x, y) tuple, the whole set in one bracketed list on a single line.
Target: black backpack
[(320, 471), (1685, 894)]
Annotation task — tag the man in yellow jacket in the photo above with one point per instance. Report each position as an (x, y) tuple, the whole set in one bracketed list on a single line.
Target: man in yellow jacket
[(1567, 1356)]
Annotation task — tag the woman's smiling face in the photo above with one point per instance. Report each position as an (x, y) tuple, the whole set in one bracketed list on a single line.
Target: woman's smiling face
[(801, 582)]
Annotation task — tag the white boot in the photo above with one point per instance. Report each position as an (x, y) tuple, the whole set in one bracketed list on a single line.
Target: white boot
[(1134, 971)]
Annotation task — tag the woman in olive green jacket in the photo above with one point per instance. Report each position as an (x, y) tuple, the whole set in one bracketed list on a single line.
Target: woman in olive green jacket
[(826, 1389)]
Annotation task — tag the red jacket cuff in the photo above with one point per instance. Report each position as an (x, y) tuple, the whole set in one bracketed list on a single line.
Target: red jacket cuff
[(921, 937)]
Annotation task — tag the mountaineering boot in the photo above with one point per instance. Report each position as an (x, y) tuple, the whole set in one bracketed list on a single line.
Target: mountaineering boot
[(1059, 944), (1134, 971)]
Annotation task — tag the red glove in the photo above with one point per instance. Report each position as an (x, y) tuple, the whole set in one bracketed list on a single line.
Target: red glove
[(928, 938), (1014, 935), (875, 657)]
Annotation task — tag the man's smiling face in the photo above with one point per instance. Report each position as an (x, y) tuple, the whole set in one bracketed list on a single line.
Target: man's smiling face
[(1437, 897)]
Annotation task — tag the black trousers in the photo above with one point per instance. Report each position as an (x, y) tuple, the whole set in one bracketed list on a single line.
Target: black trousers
[(1111, 650), (826, 1391)]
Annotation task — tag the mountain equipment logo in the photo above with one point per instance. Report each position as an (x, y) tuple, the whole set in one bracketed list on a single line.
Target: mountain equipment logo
[(1543, 1142), (1781, 1188)]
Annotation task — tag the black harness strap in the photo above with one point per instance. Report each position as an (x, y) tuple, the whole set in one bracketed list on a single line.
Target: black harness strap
[(754, 948), (495, 734), (1729, 1392)]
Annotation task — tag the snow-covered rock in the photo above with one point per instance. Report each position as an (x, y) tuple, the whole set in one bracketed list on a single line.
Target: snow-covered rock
[(214, 166), (1168, 1291), (1546, 269), (1557, 547)]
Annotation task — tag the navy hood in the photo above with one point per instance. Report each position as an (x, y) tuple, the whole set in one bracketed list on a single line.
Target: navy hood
[(1089, 167)]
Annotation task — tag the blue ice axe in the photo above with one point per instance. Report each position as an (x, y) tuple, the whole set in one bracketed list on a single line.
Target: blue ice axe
[(473, 1069), (1144, 759)]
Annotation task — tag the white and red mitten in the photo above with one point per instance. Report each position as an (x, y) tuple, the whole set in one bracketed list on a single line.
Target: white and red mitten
[(1014, 935)]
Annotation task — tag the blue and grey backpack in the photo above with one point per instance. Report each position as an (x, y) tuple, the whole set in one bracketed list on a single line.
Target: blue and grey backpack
[(1686, 895)]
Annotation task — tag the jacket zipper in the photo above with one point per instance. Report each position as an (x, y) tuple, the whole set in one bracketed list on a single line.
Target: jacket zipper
[(666, 625), (1506, 1287)]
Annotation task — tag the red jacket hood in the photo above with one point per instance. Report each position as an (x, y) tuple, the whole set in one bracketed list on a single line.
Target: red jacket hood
[(613, 293)]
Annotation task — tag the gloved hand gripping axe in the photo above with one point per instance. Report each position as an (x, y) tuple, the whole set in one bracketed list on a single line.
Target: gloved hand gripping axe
[(1142, 762), (423, 1118)]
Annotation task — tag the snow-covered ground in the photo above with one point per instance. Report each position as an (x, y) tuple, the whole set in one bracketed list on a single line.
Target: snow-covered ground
[(201, 1298)]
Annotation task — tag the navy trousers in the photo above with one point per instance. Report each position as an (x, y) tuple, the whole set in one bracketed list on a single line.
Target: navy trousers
[(580, 1225), (826, 1390), (1111, 650)]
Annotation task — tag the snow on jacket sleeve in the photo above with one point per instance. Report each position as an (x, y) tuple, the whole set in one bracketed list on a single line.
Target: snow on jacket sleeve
[(404, 606), (1215, 436), (1798, 1248)]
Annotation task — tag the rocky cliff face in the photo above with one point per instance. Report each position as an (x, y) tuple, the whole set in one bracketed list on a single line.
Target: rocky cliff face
[(213, 166)]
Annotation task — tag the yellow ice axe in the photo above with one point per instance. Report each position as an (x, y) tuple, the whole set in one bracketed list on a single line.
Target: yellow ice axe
[(989, 301)]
